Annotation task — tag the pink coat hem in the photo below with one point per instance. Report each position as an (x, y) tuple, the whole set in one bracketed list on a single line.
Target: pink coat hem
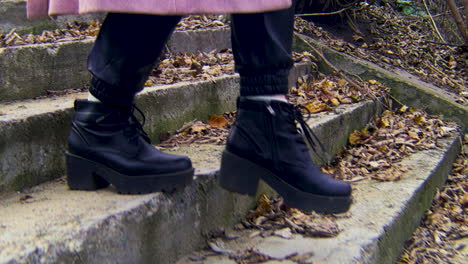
[(40, 8)]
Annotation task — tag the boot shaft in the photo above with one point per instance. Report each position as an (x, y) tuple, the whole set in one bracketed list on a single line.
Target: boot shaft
[(96, 125), (266, 132)]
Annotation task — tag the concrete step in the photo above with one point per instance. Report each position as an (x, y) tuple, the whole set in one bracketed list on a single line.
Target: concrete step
[(50, 224), (33, 132), (405, 87), (30, 71), (13, 16), (382, 217)]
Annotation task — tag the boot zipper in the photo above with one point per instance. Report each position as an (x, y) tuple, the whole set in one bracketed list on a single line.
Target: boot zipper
[(270, 109), (274, 155)]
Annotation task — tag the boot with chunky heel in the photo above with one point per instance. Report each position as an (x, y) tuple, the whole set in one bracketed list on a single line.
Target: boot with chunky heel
[(265, 143), (107, 145)]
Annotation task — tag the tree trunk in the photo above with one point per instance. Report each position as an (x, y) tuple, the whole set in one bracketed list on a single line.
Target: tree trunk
[(456, 15)]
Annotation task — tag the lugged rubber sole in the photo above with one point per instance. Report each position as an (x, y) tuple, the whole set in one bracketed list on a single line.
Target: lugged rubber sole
[(84, 174), (241, 175)]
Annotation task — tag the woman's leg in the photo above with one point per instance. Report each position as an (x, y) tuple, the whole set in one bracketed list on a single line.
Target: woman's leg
[(107, 143), (265, 142), (125, 53)]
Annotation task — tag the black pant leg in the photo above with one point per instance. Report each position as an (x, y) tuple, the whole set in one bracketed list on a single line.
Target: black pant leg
[(125, 53), (262, 50)]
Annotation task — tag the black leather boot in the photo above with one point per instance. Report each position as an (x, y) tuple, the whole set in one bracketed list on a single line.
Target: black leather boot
[(265, 143), (107, 145)]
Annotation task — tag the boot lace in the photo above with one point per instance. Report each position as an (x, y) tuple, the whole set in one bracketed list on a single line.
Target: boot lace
[(309, 135), (136, 127)]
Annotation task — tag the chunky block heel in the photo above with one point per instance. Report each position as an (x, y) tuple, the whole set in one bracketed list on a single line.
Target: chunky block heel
[(84, 174), (81, 174), (238, 174), (241, 175)]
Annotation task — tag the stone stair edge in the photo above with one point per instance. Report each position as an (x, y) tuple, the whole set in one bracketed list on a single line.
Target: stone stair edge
[(33, 136), (223, 209), (31, 70), (382, 217), (405, 87)]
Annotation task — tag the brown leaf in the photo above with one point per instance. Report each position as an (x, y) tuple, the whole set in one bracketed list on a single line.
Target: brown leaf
[(357, 137), (217, 121)]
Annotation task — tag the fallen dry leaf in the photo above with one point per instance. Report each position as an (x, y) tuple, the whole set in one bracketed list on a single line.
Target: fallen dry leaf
[(217, 121)]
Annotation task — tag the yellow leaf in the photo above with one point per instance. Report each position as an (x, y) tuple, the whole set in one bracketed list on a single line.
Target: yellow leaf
[(328, 84), (197, 128), (383, 148), (403, 109), (373, 82), (383, 122), (355, 98), (294, 90), (413, 135), (347, 100), (452, 62), (357, 38), (316, 107), (342, 82), (217, 121), (328, 169), (149, 83), (195, 65), (464, 200), (264, 203), (365, 129), (412, 109), (419, 120), (334, 102)]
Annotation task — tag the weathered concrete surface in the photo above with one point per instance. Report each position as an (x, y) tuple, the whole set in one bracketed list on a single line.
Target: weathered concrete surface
[(382, 217), (29, 71), (61, 226), (206, 40), (33, 132), (333, 128), (13, 15), (405, 88)]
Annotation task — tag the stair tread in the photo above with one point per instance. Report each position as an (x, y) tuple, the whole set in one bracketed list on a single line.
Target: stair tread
[(49, 216), (379, 212), (53, 200)]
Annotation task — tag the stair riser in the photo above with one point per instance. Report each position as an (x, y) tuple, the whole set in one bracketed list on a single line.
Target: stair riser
[(31, 149), (401, 228), (29, 71), (166, 227), (405, 88)]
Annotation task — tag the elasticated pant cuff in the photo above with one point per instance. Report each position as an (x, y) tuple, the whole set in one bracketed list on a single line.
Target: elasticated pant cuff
[(266, 83), (111, 95)]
